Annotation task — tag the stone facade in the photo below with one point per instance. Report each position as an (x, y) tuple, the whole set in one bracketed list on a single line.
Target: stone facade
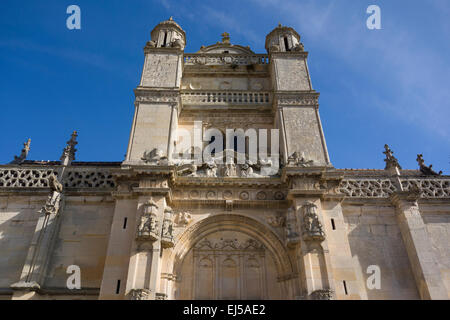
[(156, 226)]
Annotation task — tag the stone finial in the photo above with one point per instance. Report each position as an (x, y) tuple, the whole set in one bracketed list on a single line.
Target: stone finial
[(69, 151), (23, 154), (171, 18), (391, 161), (225, 37), (426, 170)]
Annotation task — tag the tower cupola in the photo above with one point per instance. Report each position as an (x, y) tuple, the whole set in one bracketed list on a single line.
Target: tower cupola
[(168, 34), (283, 39)]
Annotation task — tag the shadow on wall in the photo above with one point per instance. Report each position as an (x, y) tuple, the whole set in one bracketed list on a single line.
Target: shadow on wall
[(375, 239)]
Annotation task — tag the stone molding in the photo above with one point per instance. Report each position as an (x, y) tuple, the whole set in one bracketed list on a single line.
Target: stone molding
[(157, 96), (297, 99)]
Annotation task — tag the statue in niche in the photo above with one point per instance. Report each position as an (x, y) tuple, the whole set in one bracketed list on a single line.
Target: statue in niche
[(426, 170), (167, 229), (312, 228), (53, 201), (148, 226)]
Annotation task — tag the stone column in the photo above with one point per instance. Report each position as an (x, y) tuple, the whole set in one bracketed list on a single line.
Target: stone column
[(418, 246), (313, 248)]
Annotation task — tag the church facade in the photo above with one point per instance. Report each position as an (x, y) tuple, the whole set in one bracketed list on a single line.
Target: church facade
[(262, 215)]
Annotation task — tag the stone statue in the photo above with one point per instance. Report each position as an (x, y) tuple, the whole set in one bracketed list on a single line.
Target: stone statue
[(53, 201), (230, 170), (211, 169), (296, 160), (167, 229), (151, 44), (23, 154), (155, 157), (426, 170), (312, 228), (148, 226), (183, 218), (299, 47), (246, 169), (176, 43)]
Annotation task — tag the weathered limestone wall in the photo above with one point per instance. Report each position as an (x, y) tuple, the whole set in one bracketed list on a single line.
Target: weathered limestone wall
[(151, 129), (18, 217), (437, 220), (82, 241), (375, 239)]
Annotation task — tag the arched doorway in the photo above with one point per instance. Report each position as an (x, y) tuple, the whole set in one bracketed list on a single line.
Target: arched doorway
[(230, 257)]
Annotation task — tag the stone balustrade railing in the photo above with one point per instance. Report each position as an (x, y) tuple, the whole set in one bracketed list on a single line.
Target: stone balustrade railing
[(91, 178), (224, 59), (382, 188), (101, 178), (226, 97)]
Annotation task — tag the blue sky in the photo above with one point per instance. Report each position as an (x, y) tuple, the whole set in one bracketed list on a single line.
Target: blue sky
[(377, 86)]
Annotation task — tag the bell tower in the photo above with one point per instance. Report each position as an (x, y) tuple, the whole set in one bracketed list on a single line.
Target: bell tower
[(158, 95), (296, 102)]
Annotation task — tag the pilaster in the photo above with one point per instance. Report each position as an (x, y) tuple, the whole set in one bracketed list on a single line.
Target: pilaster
[(418, 246)]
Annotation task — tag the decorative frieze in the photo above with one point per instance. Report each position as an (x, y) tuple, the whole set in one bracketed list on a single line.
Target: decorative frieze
[(230, 244), (157, 96), (225, 59), (310, 99)]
